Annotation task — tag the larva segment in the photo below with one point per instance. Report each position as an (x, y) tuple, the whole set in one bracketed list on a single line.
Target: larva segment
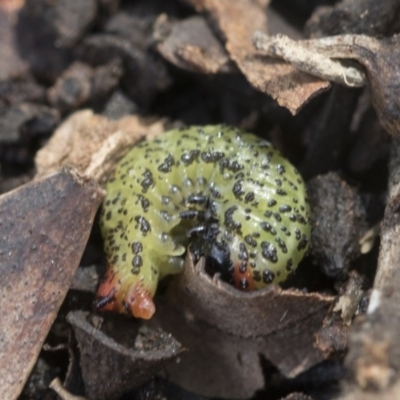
[(194, 180)]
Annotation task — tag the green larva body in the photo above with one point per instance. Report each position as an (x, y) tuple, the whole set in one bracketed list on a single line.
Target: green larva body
[(256, 196)]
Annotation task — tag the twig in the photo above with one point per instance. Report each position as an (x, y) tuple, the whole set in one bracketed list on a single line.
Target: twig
[(56, 385), (315, 57)]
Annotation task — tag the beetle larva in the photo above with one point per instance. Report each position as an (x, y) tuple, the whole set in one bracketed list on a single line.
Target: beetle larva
[(227, 190)]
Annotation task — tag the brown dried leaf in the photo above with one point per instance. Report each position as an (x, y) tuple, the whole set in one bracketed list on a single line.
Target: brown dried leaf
[(44, 226), (119, 357), (227, 330), (91, 143), (190, 44), (238, 20)]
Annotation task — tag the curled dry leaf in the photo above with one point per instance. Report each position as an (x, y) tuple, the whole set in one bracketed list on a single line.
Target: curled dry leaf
[(44, 227), (116, 342), (380, 58), (91, 143), (290, 88), (229, 330)]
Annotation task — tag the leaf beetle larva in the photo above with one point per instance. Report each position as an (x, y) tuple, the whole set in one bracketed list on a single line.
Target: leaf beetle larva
[(229, 192)]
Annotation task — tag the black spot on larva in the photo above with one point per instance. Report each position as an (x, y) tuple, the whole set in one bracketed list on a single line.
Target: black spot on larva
[(289, 265), (297, 233), (278, 182), (115, 199), (196, 199), (280, 169), (301, 219), (268, 214), (214, 192), (277, 217), (243, 267), (281, 244), (123, 258), (249, 240), (243, 254), (255, 234), (271, 203), (281, 192), (144, 225), (269, 252), (212, 156), (108, 215), (292, 217), (247, 210), (249, 197), (267, 227), (240, 175), (165, 216), (285, 231), (268, 276), (238, 190), (303, 243), (147, 181), (165, 200), (189, 158), (137, 247), (235, 167), (223, 164), (144, 202), (257, 276), (137, 261), (229, 221), (285, 208)]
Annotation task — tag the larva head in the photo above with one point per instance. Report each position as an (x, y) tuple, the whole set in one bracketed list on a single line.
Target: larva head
[(246, 199)]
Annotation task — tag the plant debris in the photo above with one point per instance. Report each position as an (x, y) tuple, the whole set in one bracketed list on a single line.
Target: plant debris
[(104, 343), (229, 330), (92, 143), (44, 228)]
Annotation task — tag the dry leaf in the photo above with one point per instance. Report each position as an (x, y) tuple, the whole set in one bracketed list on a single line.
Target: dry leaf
[(92, 144), (44, 227), (227, 330), (237, 22)]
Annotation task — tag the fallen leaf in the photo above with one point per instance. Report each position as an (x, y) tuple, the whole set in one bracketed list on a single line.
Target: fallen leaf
[(92, 143), (44, 227), (237, 21)]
